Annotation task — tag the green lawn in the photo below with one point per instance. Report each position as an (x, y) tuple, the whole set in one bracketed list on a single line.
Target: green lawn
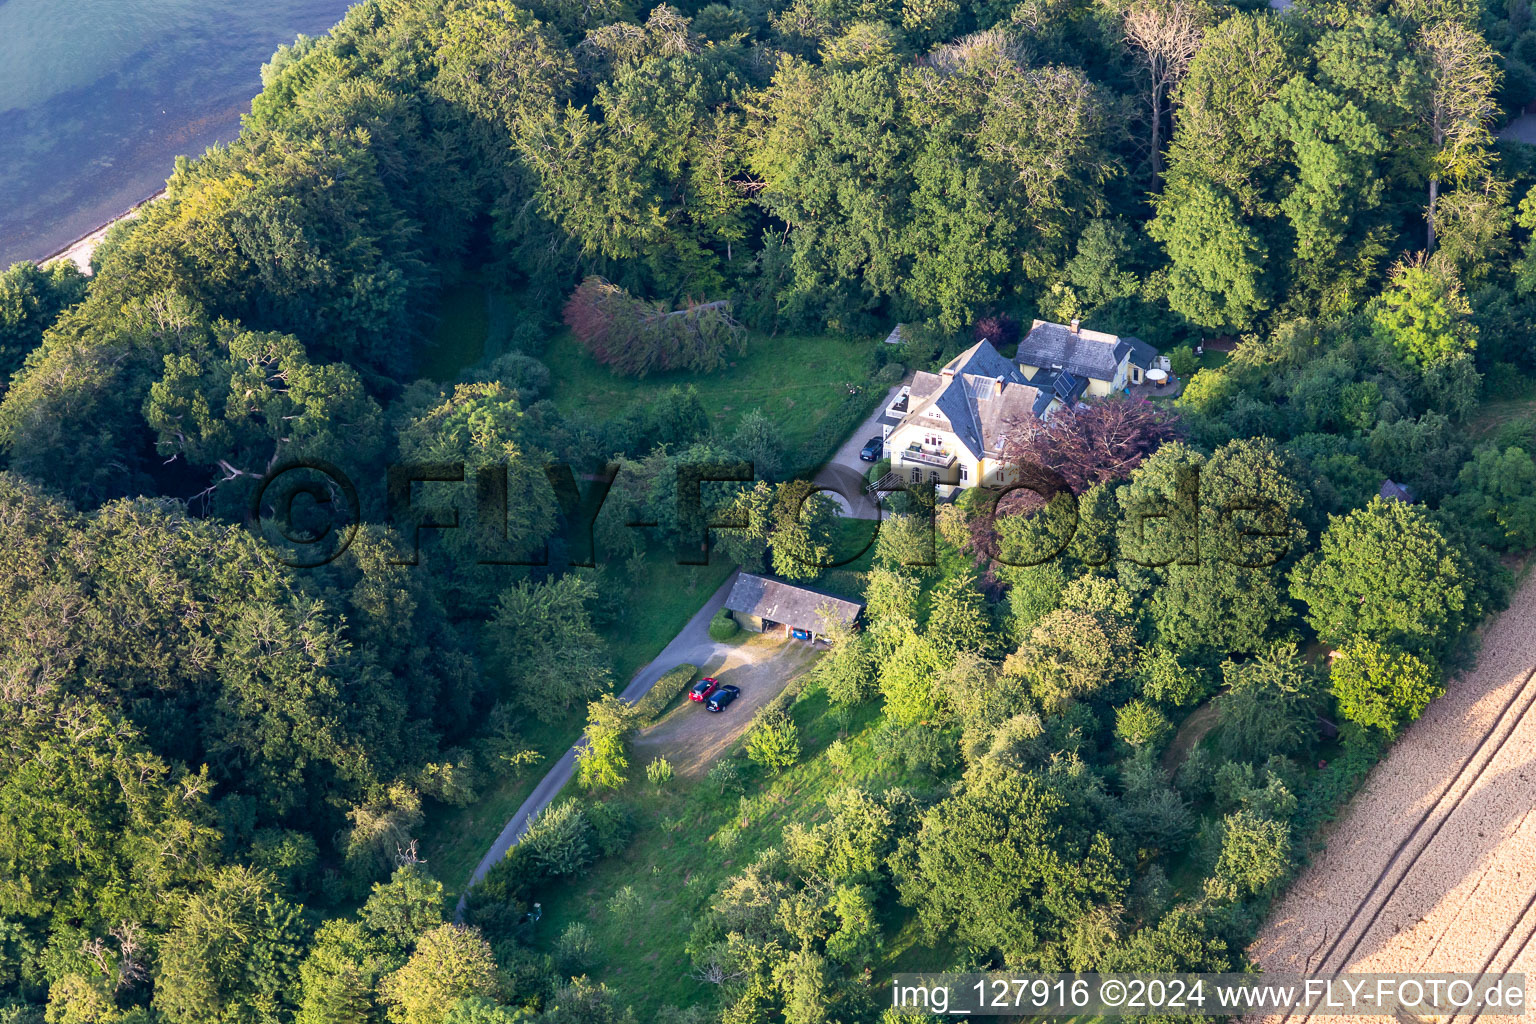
[(1493, 416), (1211, 359), (657, 606), (660, 603), (690, 838), (796, 380)]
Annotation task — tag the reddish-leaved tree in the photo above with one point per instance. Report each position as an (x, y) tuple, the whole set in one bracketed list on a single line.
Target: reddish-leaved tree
[(1097, 442), (635, 336)]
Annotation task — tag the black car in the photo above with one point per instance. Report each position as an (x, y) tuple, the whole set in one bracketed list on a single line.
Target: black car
[(721, 697), (873, 449)]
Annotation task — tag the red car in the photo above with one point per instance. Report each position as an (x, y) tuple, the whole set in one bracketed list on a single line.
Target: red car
[(704, 688)]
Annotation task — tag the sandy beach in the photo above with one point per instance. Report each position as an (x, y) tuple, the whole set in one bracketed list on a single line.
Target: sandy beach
[(79, 251)]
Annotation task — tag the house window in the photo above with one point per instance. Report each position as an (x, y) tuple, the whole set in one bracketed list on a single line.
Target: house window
[(965, 474), (933, 476), (932, 440), (917, 476)]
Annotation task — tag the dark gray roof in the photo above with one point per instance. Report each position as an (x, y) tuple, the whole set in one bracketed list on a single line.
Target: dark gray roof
[(1083, 353), (1058, 385), (1397, 492), (1142, 354), (966, 394), (789, 603)]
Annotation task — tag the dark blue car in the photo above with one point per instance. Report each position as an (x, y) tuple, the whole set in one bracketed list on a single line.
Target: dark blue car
[(721, 697), (873, 449)]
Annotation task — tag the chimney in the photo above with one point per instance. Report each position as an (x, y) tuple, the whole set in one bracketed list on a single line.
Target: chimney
[(1075, 325), (997, 386)]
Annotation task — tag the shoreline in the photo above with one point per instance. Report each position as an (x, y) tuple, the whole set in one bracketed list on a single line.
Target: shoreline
[(80, 250)]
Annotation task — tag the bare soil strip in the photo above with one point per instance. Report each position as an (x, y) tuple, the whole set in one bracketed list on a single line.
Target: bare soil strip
[(1433, 866)]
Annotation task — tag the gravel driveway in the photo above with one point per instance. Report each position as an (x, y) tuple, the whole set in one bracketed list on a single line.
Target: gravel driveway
[(845, 470), (691, 737), (1433, 865), (691, 646)]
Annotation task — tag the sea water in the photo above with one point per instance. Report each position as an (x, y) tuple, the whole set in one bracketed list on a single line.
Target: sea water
[(98, 97)]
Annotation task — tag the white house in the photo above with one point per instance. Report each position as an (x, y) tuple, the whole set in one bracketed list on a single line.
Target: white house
[(956, 421)]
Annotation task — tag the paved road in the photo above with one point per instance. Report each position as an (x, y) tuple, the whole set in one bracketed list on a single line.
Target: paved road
[(691, 646), (845, 470), (1521, 129)]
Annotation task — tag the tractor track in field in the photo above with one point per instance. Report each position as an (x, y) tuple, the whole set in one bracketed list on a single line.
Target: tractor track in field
[(1433, 865)]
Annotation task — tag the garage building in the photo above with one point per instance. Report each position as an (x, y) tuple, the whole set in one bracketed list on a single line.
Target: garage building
[(766, 605)]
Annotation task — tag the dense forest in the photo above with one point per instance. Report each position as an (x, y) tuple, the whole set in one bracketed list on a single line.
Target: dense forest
[(218, 768)]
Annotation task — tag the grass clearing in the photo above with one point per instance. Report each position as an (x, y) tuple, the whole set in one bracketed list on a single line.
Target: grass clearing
[(796, 380), (689, 839), (659, 604), (657, 607), (1210, 359), (459, 340), (1493, 416)]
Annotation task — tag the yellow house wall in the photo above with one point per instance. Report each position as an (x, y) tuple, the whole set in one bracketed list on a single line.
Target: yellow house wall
[(1097, 388)]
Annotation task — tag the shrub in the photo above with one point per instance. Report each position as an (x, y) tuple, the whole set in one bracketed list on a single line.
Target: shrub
[(1196, 775), (1380, 688), (659, 771), (1141, 724), (625, 903), (612, 825), (839, 756), (521, 373), (1255, 856), (1504, 380), (723, 626), (559, 841), (726, 774), (1183, 361), (576, 951), (774, 742), (917, 747), (655, 700), (1165, 680)]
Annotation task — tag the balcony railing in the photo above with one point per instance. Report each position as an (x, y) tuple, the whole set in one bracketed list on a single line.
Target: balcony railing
[(941, 459)]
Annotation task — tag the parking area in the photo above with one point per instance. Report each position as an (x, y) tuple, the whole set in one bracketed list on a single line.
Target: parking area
[(690, 737)]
